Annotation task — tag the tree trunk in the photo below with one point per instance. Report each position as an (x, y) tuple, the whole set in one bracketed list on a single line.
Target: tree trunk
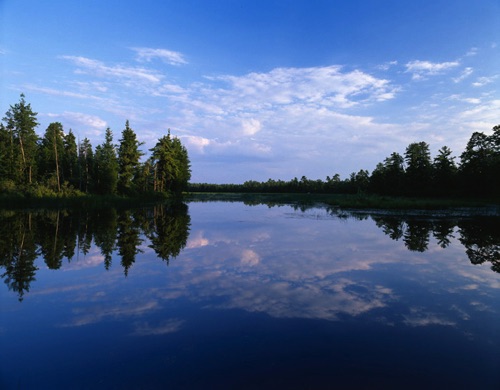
[(57, 163)]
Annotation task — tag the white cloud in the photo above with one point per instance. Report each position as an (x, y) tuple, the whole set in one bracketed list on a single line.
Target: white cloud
[(465, 73), (421, 69), (387, 65), (196, 142), (98, 68), (58, 92), (146, 54), (321, 86), (482, 81), (481, 117), (472, 52), (251, 126), (80, 119)]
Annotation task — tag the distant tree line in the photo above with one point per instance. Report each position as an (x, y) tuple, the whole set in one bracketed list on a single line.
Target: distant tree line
[(57, 164), (413, 174)]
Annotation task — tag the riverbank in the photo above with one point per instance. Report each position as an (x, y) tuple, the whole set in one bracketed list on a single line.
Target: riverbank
[(359, 201), (84, 201)]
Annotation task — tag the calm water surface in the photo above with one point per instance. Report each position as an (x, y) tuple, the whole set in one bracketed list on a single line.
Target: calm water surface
[(228, 295)]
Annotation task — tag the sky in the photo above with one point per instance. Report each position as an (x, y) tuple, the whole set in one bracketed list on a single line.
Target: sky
[(263, 88)]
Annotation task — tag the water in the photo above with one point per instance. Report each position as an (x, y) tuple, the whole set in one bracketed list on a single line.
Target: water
[(228, 295)]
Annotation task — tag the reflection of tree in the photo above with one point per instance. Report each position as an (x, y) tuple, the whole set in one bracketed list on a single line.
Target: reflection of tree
[(128, 240), (416, 231), (482, 241), (416, 236), (480, 236), (51, 244), (391, 226), (443, 231), (170, 230), (105, 233), (18, 252), (84, 228), (55, 234)]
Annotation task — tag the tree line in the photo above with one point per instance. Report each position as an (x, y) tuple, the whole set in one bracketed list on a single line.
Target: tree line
[(414, 174), (57, 164)]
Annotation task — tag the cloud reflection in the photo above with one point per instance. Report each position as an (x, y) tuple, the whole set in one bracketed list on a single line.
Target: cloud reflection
[(169, 326)]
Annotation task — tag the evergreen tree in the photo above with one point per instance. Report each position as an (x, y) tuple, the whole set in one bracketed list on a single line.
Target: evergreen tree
[(106, 165), (445, 171), (171, 164), (85, 165), (51, 152), (418, 168), (70, 159), (21, 123), (128, 160), (5, 155), (388, 177)]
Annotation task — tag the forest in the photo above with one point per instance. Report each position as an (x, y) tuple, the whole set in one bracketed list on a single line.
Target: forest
[(59, 165), (413, 174)]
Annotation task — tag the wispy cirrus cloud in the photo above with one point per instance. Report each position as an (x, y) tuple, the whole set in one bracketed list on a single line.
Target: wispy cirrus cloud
[(98, 68), (422, 69), (146, 54), (60, 92), (327, 86), (465, 73), (80, 120), (482, 81)]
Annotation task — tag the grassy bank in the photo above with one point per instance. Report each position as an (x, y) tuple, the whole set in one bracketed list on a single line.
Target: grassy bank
[(360, 201), (83, 201)]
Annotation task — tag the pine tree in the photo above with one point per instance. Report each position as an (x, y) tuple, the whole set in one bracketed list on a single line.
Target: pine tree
[(70, 159), (128, 160), (21, 123), (106, 165), (50, 155), (171, 164), (85, 165)]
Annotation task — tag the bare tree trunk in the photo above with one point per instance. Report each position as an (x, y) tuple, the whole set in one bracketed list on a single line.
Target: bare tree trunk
[(57, 163), (24, 158)]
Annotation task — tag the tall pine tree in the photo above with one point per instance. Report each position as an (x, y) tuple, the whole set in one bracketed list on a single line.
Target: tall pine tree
[(21, 122), (106, 165), (128, 160)]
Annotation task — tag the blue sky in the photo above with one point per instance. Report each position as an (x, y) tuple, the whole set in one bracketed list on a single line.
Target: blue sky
[(259, 89)]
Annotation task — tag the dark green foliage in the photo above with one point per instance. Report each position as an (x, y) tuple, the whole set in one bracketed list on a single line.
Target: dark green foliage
[(418, 169), (128, 160), (21, 123), (70, 171), (445, 172), (171, 165), (51, 155), (106, 166), (85, 166), (55, 166), (480, 164)]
